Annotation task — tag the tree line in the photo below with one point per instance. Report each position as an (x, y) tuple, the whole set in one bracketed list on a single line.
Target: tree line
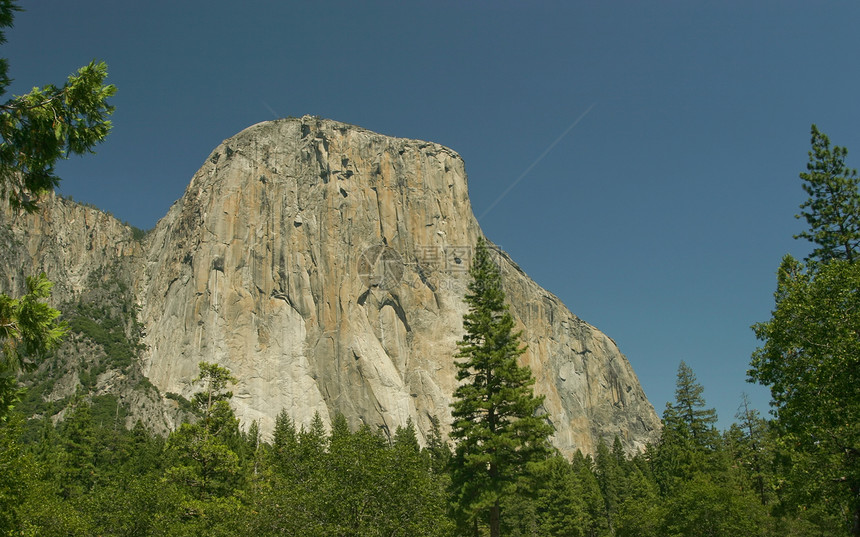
[(210, 477)]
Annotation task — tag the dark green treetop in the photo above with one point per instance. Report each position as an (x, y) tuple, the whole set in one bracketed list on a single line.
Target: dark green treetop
[(204, 462), (697, 420), (497, 427), (833, 208), (689, 440)]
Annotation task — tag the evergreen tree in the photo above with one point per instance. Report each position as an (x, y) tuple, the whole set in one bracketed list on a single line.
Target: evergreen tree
[(559, 503), (749, 446), (689, 441), (594, 522), (29, 329), (639, 513), (203, 461), (437, 448), (16, 470), (407, 437), (496, 427), (284, 453), (47, 124), (79, 451), (214, 379), (833, 208), (696, 420), (708, 505), (609, 477)]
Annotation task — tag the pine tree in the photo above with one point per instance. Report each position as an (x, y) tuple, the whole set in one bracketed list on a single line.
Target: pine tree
[(204, 462), (79, 448), (609, 476), (748, 442), (284, 455), (437, 449), (594, 522), (496, 427), (689, 440), (698, 421), (559, 502), (833, 208), (407, 437)]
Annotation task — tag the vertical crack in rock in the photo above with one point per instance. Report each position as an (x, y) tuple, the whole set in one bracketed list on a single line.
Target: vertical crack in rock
[(275, 222)]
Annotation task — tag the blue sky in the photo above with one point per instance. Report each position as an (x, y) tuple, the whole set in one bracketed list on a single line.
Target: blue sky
[(660, 217)]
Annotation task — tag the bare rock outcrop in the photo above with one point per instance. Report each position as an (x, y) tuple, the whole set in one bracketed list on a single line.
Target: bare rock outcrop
[(71, 242), (325, 265)]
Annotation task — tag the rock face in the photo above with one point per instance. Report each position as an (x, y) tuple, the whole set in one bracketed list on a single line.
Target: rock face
[(69, 241), (325, 265)]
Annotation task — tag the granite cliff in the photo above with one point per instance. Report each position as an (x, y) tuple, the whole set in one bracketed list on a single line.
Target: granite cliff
[(325, 265)]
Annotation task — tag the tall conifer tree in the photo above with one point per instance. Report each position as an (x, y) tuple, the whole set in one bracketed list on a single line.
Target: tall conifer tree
[(496, 427), (833, 208)]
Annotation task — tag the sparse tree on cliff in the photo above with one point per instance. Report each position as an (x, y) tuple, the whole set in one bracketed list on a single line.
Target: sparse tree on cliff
[(496, 427)]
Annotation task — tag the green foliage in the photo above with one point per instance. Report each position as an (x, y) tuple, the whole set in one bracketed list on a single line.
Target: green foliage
[(639, 512), (204, 462), (694, 420), (48, 124), (90, 478), (560, 502), (689, 442), (705, 507), (594, 523), (833, 208), (496, 427), (29, 329), (16, 469), (810, 359), (108, 329), (350, 483), (437, 451), (137, 233), (701, 492), (28, 326), (609, 478), (77, 462), (214, 379), (751, 444)]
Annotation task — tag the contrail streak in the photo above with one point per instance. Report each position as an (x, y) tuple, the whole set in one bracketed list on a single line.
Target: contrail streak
[(277, 115), (537, 160)]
